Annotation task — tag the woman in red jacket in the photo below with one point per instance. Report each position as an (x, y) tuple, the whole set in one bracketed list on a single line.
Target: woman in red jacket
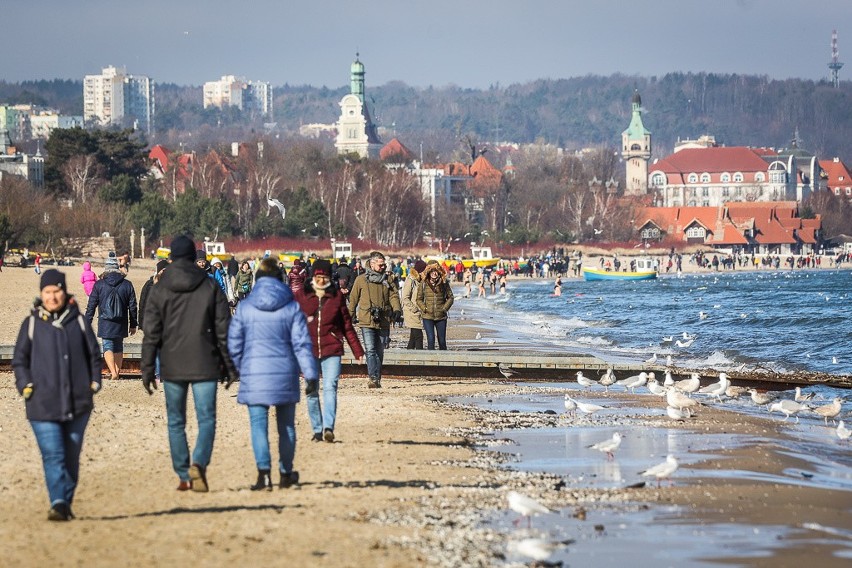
[(328, 322)]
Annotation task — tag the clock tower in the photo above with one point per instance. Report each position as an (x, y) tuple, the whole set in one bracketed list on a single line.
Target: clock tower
[(356, 133), (636, 151)]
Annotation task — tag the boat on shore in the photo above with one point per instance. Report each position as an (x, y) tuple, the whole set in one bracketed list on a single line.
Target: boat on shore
[(644, 270), (481, 256)]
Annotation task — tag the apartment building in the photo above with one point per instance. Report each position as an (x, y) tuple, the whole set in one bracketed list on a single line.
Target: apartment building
[(116, 98), (254, 97)]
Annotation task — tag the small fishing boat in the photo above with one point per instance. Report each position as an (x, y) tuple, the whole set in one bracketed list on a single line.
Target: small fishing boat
[(481, 256), (644, 270)]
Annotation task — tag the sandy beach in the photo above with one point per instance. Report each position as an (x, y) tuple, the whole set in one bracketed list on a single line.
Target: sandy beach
[(411, 481)]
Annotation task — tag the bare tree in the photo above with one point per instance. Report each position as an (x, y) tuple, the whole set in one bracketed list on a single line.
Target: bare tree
[(82, 174)]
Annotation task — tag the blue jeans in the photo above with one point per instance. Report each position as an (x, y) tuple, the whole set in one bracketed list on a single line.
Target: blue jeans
[(374, 350), (433, 326), (285, 417), (60, 444), (322, 416), (204, 397), (114, 344)]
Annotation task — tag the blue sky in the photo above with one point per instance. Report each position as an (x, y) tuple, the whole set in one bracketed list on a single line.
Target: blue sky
[(470, 43)]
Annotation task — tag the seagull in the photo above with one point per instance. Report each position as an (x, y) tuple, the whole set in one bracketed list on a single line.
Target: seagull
[(834, 360), (585, 407), (656, 388), (525, 506), (802, 397), (536, 548), (506, 370), (608, 446), (830, 410), (608, 379), (702, 315), (478, 335), (689, 385), (843, 432), (652, 359), (634, 381), (685, 343), (667, 339), (669, 361), (717, 389), (598, 231), (761, 398), (492, 341), (584, 381), (570, 405), (275, 203), (680, 401), (788, 407), (688, 336), (676, 414), (669, 381), (735, 392), (662, 470)]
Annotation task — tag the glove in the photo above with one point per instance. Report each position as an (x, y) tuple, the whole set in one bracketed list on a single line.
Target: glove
[(28, 391), (311, 387), (148, 383), (396, 315), (229, 380)]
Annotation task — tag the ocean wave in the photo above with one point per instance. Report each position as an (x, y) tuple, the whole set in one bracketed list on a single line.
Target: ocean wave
[(593, 341)]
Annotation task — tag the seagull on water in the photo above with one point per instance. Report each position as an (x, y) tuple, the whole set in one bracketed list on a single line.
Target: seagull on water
[(662, 470), (834, 360), (271, 202), (585, 407), (583, 380), (702, 315), (667, 339), (525, 506), (802, 397), (685, 343), (788, 407), (830, 410), (608, 446), (843, 432), (688, 336), (506, 370)]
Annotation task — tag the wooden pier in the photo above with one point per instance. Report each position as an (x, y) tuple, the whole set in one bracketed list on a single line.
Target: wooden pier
[(530, 366)]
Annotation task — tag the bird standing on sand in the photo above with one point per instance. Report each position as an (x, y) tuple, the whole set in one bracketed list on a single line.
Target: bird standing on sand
[(608, 446), (760, 398), (652, 360), (663, 470), (506, 370), (717, 389), (669, 382), (585, 407), (680, 401), (634, 381), (843, 432), (570, 405), (525, 506), (608, 379), (689, 385), (584, 381), (676, 414), (788, 407), (656, 388), (830, 410)]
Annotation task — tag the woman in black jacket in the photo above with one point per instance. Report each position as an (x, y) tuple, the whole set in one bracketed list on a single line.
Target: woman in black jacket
[(57, 367)]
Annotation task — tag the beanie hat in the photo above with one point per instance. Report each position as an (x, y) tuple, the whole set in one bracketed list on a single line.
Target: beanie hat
[(201, 255), (322, 267), (52, 277), (111, 263), (162, 264), (214, 261), (182, 247), (268, 267), (420, 265)]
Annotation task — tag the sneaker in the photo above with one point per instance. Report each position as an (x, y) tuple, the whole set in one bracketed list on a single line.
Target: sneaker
[(198, 476), (184, 485), (289, 479), (328, 435), (317, 437), (59, 512)]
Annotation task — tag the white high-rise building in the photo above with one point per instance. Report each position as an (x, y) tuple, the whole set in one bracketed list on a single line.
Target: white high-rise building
[(116, 98), (251, 96)]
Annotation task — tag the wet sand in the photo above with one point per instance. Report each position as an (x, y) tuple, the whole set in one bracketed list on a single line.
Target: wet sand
[(403, 486)]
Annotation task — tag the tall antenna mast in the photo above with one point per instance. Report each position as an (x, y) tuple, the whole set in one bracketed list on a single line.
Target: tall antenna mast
[(835, 65)]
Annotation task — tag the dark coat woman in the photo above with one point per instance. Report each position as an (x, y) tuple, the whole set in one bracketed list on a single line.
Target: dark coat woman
[(435, 298)]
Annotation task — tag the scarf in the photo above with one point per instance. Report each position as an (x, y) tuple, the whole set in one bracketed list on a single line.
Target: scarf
[(375, 277)]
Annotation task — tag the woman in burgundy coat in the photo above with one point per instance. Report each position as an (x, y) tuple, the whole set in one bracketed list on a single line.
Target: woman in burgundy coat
[(328, 322)]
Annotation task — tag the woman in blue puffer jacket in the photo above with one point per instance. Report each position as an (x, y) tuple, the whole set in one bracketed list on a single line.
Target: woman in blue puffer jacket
[(270, 345)]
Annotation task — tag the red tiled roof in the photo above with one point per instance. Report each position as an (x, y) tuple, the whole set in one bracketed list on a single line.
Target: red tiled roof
[(807, 235), (837, 174), (772, 233), (396, 151), (711, 160), (486, 178), (731, 235)]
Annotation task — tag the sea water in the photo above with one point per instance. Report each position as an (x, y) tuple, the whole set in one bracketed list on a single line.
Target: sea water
[(778, 320)]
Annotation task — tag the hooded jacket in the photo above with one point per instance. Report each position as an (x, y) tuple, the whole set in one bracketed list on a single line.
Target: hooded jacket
[(410, 311), (61, 361), (329, 322), (113, 281), (88, 278), (434, 303), (373, 290), (186, 319), (270, 344)]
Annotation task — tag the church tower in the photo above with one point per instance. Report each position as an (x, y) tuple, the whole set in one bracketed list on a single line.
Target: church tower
[(356, 133), (636, 151)]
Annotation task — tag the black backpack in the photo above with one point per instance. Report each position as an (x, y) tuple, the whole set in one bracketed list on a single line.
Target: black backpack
[(112, 308)]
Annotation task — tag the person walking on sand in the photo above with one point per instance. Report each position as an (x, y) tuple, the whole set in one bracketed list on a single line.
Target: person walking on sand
[(270, 345), (57, 366), (373, 305), (115, 299), (88, 278), (329, 322), (434, 299), (186, 323), (37, 263), (410, 311), (244, 280)]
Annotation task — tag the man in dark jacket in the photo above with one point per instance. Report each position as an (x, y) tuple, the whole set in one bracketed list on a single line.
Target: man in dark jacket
[(57, 366), (186, 321), (115, 299)]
